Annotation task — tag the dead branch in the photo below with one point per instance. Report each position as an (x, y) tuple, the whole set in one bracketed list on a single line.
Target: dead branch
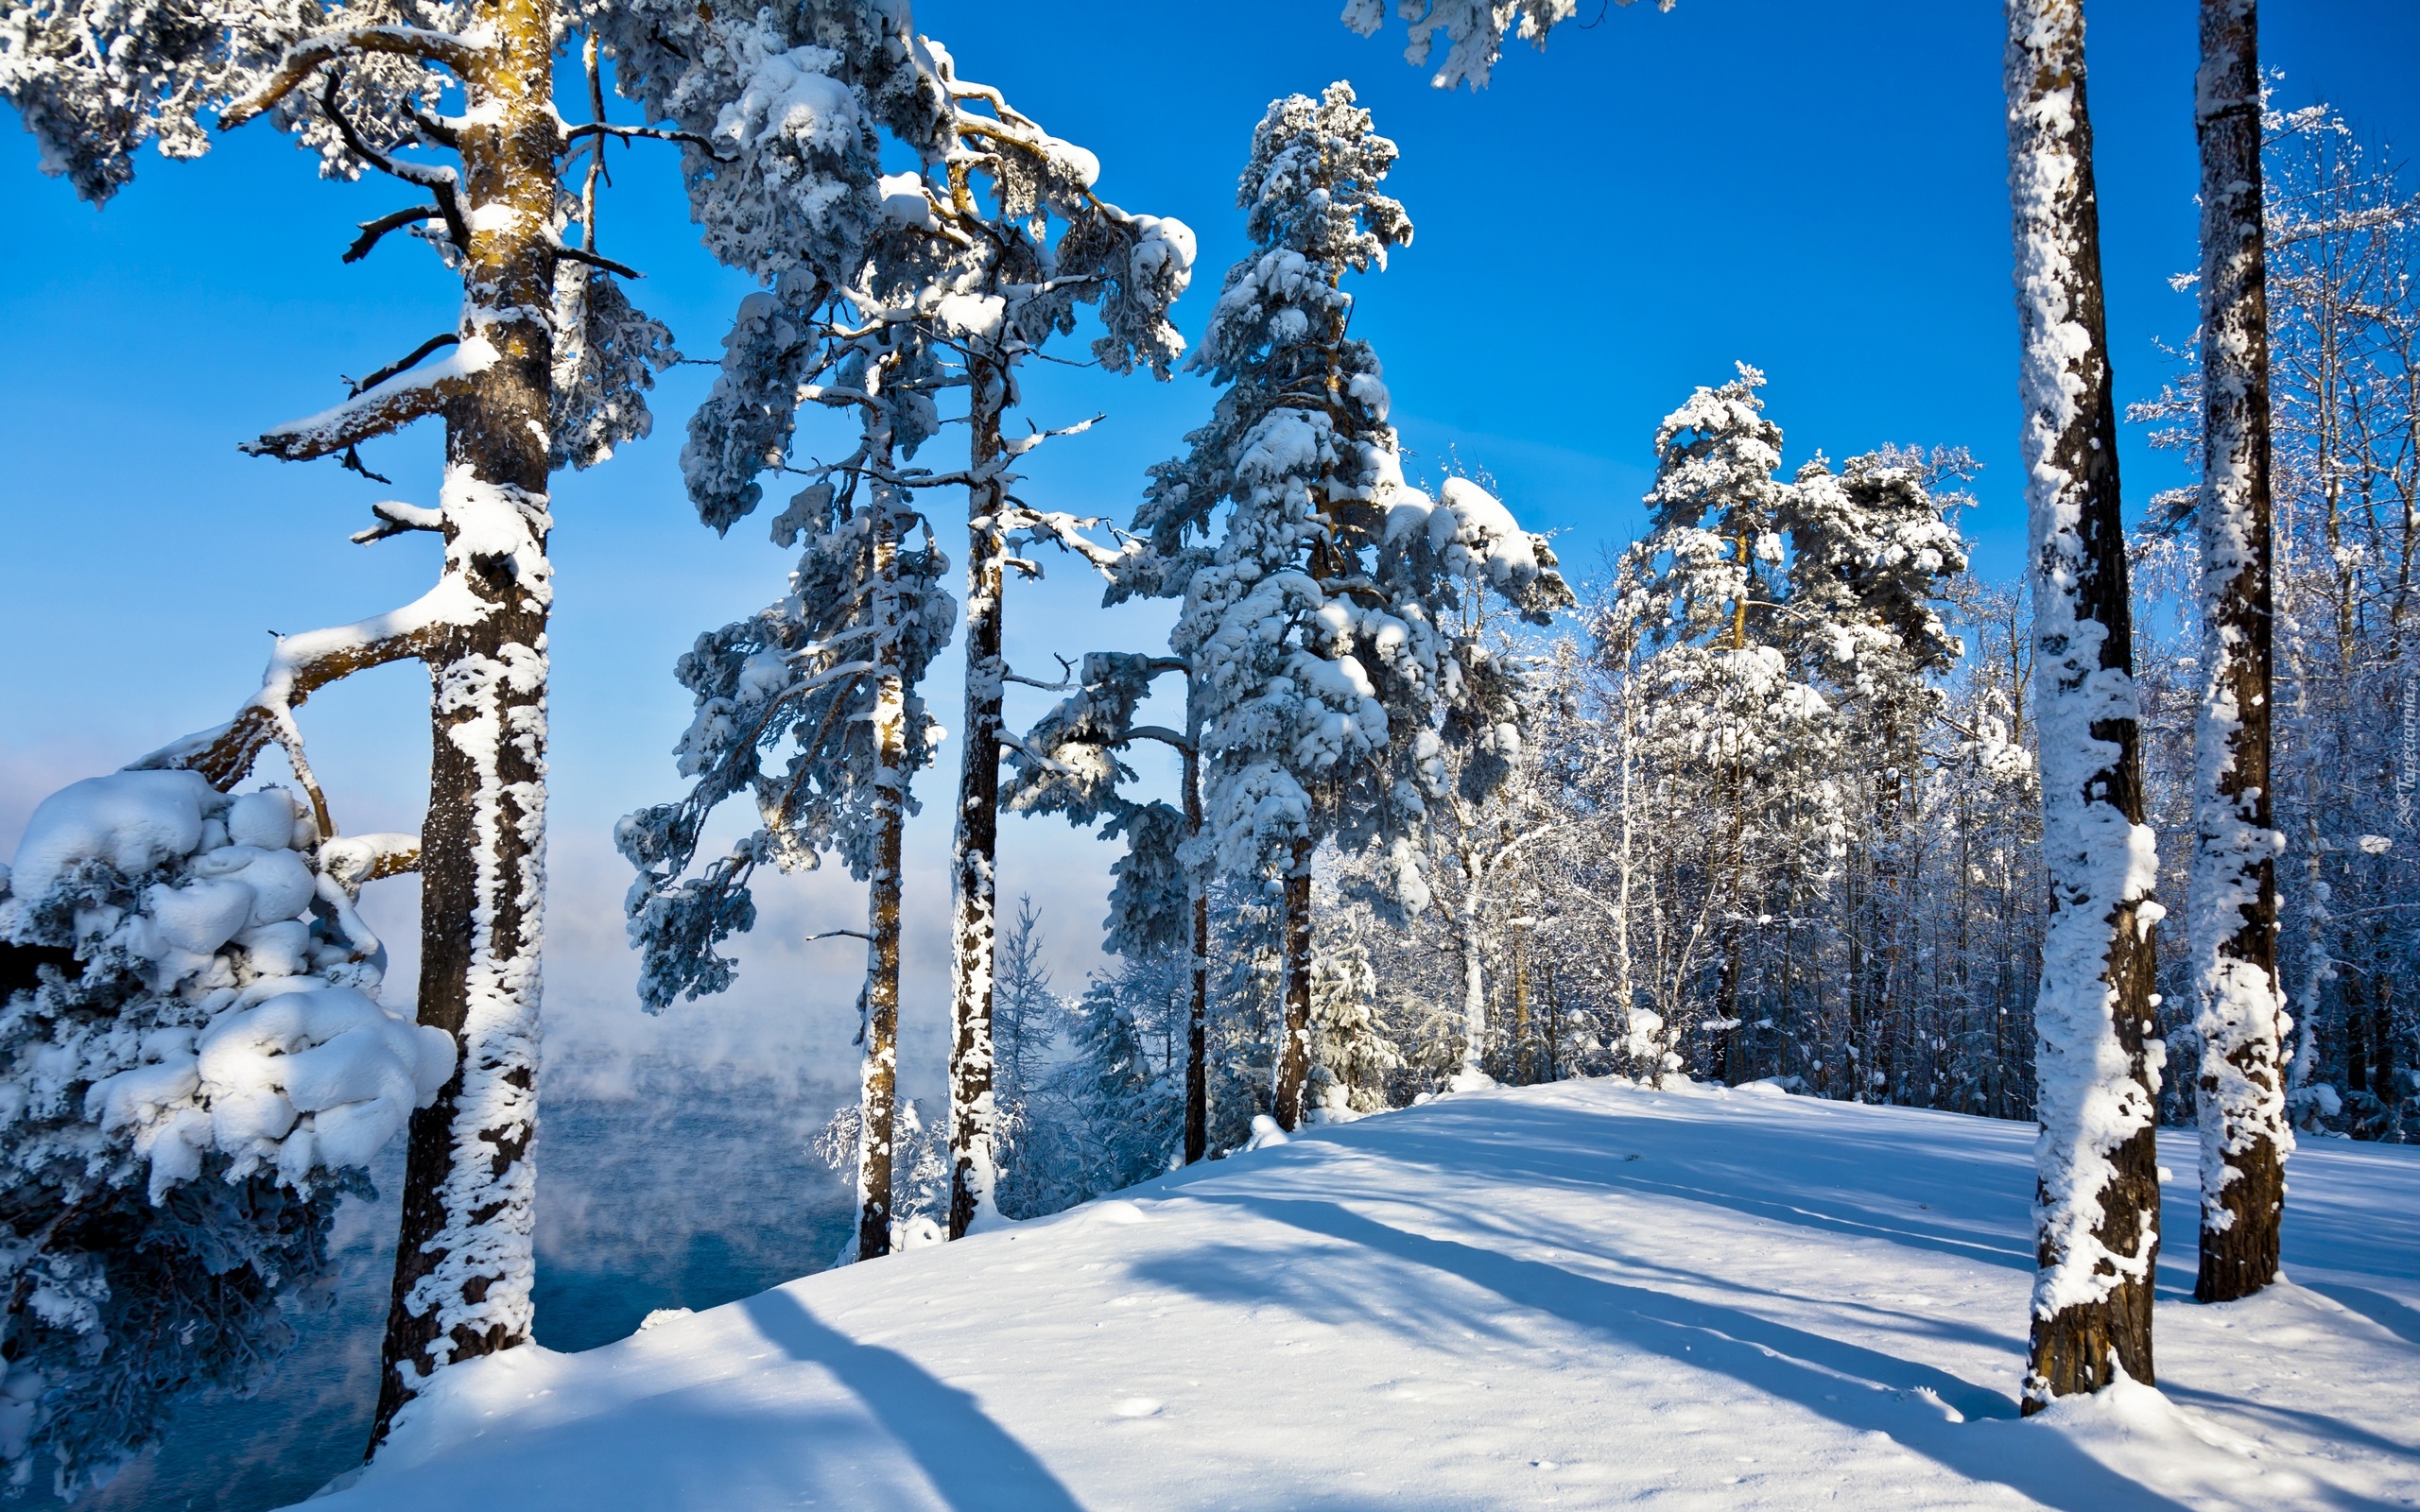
[(654, 134), (372, 232), (301, 665), (592, 260), (405, 363)]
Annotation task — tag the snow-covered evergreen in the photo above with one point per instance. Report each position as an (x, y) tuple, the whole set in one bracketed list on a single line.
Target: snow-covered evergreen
[(1325, 679), (193, 1068)]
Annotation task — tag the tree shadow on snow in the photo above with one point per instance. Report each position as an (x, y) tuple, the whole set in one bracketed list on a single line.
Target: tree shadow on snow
[(2378, 1307), (973, 1464), (1859, 1388), (1979, 1198)]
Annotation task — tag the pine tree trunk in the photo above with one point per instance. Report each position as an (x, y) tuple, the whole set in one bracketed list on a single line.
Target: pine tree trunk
[(1197, 1069), (463, 1258), (2096, 1203), (1294, 1038), (972, 1169), (878, 1072), (2241, 1014)]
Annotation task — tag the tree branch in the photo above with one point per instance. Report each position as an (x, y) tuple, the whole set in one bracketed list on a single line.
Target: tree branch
[(308, 56), (1158, 732), (405, 363), (377, 410), (592, 260), (396, 518), (439, 181), (372, 232), (299, 666), (606, 128), (355, 859)]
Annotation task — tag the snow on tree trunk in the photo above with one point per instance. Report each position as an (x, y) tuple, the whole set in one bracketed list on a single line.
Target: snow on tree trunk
[(1293, 1070), (2239, 1010), (464, 1263), (878, 1075), (1472, 1076), (972, 1171), (2097, 1199)]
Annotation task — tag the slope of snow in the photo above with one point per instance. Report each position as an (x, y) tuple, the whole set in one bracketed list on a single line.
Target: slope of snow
[(1584, 1295)]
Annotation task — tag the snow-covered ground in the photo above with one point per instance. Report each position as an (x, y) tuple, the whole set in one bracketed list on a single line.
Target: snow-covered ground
[(1581, 1294)]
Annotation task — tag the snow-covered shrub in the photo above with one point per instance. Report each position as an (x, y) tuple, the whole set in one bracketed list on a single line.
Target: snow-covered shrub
[(194, 1067)]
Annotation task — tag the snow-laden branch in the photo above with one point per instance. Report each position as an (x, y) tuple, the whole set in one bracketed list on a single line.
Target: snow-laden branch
[(301, 665), (490, 528), (355, 859), (2282, 232), (397, 518), (463, 55), (377, 410)]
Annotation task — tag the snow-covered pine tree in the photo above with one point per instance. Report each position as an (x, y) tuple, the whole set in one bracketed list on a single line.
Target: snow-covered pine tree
[(2096, 1208), (1126, 1104), (1025, 1009), (1069, 763), (830, 671), (980, 290), (1004, 289), (2239, 1010), (1869, 556), (1352, 1057), (1703, 592), (1323, 678), (194, 1069)]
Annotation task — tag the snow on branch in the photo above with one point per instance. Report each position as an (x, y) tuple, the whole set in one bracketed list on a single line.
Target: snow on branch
[(378, 410), (299, 666), (396, 518), (1473, 30), (463, 55)]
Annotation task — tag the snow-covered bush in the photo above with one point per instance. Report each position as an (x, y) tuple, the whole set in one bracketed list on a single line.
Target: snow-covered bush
[(194, 1066)]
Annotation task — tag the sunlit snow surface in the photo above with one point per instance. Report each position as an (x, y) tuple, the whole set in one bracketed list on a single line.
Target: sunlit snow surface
[(1583, 1294)]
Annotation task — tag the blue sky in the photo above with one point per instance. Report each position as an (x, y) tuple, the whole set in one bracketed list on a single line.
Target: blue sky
[(1818, 189)]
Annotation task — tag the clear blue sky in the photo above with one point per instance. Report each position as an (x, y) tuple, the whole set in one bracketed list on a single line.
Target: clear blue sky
[(1816, 188)]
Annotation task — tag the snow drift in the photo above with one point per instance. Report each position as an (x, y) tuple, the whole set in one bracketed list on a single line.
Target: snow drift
[(1584, 1295)]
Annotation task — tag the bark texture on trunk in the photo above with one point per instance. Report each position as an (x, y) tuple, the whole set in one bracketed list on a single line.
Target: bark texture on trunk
[(464, 1262), (2097, 1196), (1196, 1067), (2238, 1008), (1294, 1037), (972, 1164), (878, 1071)]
